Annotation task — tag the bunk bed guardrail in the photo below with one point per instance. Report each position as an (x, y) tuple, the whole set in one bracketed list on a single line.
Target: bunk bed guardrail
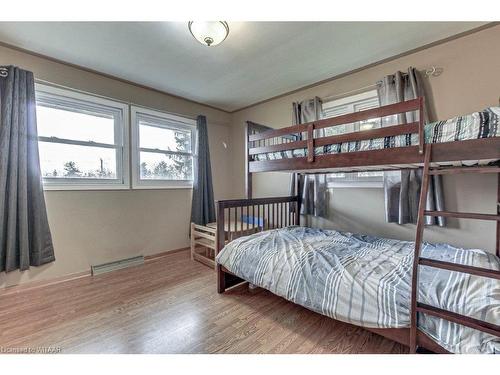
[(303, 136)]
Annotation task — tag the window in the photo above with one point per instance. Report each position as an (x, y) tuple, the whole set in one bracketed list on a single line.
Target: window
[(338, 107), (163, 149), (82, 140)]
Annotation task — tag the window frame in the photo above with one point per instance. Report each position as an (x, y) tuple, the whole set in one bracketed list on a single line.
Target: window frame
[(351, 179), (55, 97), (184, 123)]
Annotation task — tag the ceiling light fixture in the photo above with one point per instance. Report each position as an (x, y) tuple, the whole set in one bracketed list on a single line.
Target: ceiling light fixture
[(209, 33)]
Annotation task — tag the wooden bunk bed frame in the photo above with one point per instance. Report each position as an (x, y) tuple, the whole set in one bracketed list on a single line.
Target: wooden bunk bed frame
[(283, 211)]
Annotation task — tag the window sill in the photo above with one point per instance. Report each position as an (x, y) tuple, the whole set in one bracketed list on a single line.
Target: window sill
[(110, 187), (83, 187)]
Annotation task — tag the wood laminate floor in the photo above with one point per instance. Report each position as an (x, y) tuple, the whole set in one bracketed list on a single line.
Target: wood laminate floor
[(170, 305)]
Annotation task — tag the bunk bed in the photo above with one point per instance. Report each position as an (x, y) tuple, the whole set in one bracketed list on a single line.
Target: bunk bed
[(322, 269)]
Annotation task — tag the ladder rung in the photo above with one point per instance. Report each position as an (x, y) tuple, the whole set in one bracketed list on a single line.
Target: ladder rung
[(478, 271), (454, 170), (480, 325), (205, 242), (204, 228), (197, 234), (463, 215)]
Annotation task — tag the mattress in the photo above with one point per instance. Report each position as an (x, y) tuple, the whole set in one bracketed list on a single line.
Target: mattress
[(477, 125), (365, 280)]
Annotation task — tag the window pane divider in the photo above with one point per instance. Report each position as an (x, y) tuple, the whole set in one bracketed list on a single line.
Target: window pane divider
[(166, 152), (75, 142)]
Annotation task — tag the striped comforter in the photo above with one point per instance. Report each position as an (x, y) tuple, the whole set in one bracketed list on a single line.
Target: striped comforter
[(365, 280), (483, 124)]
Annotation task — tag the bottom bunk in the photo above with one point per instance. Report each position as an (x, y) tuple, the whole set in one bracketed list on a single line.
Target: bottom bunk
[(366, 281)]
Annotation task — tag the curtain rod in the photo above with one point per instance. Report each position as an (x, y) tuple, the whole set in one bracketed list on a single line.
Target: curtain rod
[(48, 83), (432, 71)]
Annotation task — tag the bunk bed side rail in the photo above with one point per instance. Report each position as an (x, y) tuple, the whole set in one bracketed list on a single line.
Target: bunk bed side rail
[(302, 136), (241, 217)]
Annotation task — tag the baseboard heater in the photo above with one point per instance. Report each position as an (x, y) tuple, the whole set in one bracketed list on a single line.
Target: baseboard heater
[(117, 265)]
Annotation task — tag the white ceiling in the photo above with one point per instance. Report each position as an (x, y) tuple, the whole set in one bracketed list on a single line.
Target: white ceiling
[(257, 61)]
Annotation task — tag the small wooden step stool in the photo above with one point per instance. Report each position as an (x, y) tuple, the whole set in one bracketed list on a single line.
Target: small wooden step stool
[(204, 237), (204, 243)]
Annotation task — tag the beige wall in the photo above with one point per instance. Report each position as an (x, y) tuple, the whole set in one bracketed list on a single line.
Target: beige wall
[(92, 227), (470, 82)]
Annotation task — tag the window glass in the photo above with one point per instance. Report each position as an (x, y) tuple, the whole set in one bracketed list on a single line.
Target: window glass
[(164, 149), (81, 140), (351, 104)]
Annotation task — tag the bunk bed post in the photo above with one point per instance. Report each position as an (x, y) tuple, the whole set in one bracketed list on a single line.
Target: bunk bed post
[(424, 188), (219, 245), (310, 142), (298, 184), (248, 174), (421, 125)]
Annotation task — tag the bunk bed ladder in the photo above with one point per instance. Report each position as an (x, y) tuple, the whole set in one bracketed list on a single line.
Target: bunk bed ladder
[(417, 307)]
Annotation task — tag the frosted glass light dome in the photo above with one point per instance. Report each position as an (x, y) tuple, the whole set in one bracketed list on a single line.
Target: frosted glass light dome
[(209, 33)]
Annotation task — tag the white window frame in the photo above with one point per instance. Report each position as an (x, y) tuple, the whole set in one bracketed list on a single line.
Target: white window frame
[(63, 98), (183, 124), (350, 104)]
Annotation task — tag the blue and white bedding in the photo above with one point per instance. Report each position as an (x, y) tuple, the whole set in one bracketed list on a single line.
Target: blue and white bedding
[(365, 280), (477, 125)]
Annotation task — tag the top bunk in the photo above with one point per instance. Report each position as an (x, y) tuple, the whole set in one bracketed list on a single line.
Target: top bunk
[(398, 144)]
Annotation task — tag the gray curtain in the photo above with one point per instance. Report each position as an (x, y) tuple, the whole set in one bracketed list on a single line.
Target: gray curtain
[(314, 200), (402, 188), (203, 206), (25, 238), (307, 111)]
